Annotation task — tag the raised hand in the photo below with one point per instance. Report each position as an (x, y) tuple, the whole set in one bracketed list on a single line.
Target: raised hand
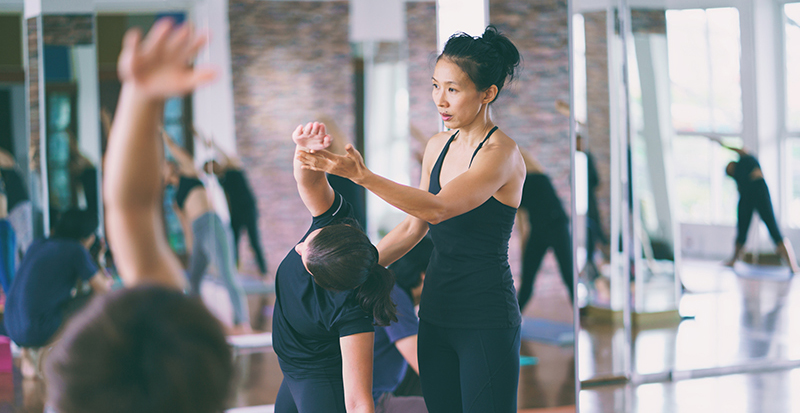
[(160, 64), (350, 166), (313, 136)]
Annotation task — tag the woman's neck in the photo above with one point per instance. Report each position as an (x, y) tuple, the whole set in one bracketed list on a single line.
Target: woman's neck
[(474, 133)]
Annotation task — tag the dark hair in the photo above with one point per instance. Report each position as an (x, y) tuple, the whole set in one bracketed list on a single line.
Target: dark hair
[(408, 269), (487, 60), (340, 258), (76, 224), (144, 349)]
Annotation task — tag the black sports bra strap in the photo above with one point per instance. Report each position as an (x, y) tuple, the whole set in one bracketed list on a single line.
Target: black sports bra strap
[(481, 145)]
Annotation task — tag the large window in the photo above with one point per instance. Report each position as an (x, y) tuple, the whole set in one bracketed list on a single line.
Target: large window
[(792, 109), (704, 54)]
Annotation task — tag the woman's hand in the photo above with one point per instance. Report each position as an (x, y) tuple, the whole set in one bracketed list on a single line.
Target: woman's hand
[(313, 136), (159, 66), (350, 166)]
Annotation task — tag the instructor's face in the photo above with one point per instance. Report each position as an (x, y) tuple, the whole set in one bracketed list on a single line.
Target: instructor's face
[(454, 94)]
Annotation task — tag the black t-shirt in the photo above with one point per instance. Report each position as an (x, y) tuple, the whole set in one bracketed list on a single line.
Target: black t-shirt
[(741, 174), (16, 189), (240, 196), (308, 319), (42, 286), (539, 198)]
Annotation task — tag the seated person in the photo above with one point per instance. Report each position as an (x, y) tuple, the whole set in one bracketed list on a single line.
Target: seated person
[(41, 297), (396, 344)]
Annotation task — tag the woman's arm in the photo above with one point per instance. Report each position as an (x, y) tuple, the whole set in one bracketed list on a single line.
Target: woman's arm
[(407, 346), (151, 70), (357, 371), (740, 152), (185, 161), (313, 186), (488, 174), (401, 239)]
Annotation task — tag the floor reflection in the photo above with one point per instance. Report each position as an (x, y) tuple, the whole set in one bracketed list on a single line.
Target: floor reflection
[(730, 317)]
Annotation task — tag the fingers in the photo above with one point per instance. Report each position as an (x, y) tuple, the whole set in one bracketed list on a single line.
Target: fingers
[(154, 41), (194, 46), (177, 40), (132, 39)]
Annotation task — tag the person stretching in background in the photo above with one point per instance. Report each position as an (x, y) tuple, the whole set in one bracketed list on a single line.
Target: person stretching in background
[(545, 226), (205, 235), (242, 204), (754, 196)]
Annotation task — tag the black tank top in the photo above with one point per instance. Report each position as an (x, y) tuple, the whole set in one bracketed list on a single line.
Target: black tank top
[(468, 282), (185, 186)]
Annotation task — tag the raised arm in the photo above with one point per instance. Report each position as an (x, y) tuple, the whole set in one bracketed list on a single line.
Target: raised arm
[(740, 151), (185, 161), (313, 186), (151, 70), (226, 161)]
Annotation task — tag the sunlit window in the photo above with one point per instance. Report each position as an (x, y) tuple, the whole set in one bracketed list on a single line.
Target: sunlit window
[(704, 53), (792, 58), (792, 11)]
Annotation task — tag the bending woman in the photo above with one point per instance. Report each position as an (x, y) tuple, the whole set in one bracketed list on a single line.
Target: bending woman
[(329, 289), (207, 237), (471, 186), (754, 196)]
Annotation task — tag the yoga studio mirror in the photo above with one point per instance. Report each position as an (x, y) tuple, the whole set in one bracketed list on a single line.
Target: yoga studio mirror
[(70, 146), (601, 192), (699, 84), (14, 165)]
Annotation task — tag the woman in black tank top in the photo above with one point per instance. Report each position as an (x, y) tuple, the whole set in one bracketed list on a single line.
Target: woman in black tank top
[(471, 186)]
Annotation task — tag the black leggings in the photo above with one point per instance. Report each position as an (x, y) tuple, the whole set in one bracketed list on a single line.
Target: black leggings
[(756, 198), (469, 370), (249, 222), (539, 241), (321, 391)]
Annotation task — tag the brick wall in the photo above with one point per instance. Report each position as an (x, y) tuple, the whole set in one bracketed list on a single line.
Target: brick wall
[(598, 137), (67, 30), (291, 62), (284, 75)]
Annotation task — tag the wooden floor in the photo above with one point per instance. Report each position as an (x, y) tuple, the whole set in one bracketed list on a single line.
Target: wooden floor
[(733, 321)]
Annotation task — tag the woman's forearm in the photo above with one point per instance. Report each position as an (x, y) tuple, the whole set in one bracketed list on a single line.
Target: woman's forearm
[(413, 201), (133, 167)]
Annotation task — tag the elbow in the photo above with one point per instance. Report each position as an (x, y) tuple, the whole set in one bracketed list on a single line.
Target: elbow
[(435, 215), (360, 406)]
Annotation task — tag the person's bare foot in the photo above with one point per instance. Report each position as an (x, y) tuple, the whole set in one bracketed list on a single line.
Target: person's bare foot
[(729, 263), (29, 363)]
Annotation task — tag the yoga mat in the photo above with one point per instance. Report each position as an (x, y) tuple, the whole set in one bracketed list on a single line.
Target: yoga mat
[(267, 408), (528, 361), (547, 331), (251, 340), (762, 272)]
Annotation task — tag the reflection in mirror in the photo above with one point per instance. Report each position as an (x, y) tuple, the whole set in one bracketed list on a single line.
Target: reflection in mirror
[(16, 225), (71, 115), (602, 291), (704, 103)]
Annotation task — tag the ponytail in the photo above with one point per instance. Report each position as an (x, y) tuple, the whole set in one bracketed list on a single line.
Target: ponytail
[(374, 295)]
